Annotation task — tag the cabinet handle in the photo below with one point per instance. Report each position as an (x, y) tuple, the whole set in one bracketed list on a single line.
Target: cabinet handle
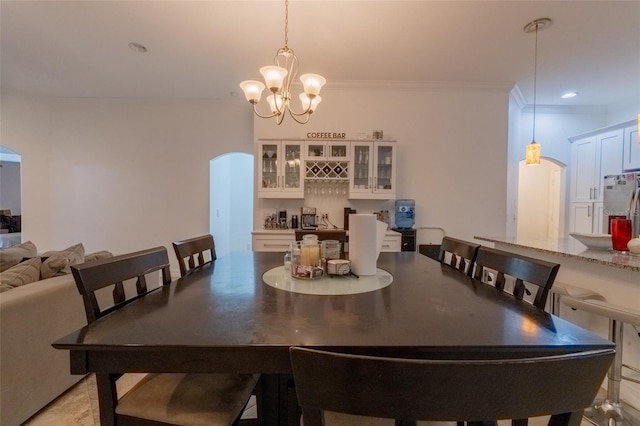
[(588, 211), (595, 193)]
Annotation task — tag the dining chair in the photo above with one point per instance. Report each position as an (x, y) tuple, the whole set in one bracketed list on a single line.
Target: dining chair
[(194, 249), (408, 390), (461, 254), (338, 235), (497, 267), (157, 399)]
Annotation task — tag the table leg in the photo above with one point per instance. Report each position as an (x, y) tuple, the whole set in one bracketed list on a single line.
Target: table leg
[(279, 400)]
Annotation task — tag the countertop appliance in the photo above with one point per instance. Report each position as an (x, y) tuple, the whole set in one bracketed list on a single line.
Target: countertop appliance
[(308, 218), (621, 198)]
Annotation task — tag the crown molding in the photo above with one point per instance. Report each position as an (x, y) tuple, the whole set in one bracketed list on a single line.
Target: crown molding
[(566, 109), (416, 85)]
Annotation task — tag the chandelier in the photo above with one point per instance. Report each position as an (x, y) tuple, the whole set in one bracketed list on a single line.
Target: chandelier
[(532, 156), (278, 78)]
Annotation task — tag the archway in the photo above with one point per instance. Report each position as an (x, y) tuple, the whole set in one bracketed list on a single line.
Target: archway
[(10, 197), (231, 201), (541, 202)]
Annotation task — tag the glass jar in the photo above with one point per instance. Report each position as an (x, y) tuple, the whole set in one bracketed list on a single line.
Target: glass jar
[(305, 258)]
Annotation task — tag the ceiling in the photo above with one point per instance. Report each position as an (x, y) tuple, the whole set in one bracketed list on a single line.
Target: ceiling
[(203, 49)]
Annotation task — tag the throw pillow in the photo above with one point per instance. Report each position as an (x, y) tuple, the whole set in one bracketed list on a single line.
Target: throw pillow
[(97, 255), (11, 256), (59, 262), (21, 274)]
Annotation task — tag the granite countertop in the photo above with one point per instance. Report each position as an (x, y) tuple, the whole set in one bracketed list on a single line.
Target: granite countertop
[(569, 247)]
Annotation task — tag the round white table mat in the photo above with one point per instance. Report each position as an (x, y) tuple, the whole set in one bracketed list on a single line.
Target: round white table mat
[(280, 278)]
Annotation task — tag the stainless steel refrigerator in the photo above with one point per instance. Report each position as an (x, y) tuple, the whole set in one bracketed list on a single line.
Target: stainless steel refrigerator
[(621, 198)]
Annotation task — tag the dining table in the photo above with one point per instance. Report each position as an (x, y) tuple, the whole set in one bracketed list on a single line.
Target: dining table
[(243, 312)]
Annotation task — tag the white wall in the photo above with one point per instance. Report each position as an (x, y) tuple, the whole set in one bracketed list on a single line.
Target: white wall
[(128, 174), (451, 156), (121, 175)]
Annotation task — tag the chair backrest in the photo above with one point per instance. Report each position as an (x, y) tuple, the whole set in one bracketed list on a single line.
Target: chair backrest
[(447, 390), (339, 235), (93, 276), (521, 269), (192, 249), (462, 253)]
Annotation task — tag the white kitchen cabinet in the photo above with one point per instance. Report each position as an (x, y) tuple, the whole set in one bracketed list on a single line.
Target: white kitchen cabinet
[(631, 155), (372, 174), (392, 242), (280, 169), (594, 157), (586, 218), (318, 150), (273, 241), (279, 240)]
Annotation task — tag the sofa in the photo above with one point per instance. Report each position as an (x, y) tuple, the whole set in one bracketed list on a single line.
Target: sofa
[(32, 316)]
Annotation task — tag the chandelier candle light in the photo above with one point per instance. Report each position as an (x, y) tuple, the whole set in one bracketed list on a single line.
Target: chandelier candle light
[(532, 156), (278, 78)]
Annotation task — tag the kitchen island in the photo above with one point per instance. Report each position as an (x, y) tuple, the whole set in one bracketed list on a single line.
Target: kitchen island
[(614, 275)]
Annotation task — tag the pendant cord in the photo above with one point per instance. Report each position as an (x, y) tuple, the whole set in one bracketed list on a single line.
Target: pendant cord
[(535, 79)]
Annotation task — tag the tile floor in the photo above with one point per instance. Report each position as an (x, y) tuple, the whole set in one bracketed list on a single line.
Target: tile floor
[(79, 407)]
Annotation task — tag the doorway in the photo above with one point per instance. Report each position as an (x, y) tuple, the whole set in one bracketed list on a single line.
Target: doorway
[(10, 197), (541, 202), (231, 201)]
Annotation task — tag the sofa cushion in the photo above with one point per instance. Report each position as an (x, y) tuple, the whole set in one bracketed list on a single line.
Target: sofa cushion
[(97, 255), (23, 273), (59, 262), (13, 255)]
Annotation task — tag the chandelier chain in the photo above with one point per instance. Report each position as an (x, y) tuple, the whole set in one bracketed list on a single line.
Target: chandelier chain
[(286, 23)]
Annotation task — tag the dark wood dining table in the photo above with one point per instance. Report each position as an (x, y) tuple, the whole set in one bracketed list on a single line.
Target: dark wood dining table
[(224, 318)]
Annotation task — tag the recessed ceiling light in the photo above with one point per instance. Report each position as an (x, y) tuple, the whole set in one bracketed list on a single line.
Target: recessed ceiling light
[(137, 47), (569, 95)]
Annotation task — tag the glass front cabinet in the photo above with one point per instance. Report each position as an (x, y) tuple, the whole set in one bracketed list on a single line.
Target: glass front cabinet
[(373, 170), (280, 169), (326, 151)]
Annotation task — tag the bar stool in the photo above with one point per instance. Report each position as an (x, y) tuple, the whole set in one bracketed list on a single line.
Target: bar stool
[(611, 408), (560, 289)]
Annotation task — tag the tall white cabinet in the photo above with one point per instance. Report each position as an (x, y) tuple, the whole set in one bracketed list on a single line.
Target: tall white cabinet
[(631, 154), (594, 156)]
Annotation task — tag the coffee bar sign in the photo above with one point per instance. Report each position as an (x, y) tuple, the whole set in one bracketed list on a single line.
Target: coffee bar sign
[(326, 135)]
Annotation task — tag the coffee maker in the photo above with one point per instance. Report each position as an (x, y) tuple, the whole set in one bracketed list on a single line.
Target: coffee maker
[(308, 218)]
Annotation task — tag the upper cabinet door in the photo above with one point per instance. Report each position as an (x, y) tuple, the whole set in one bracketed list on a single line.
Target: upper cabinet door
[(338, 151), (360, 176), (373, 170), (292, 176), (279, 166), (631, 156), (610, 147), (315, 150), (326, 150), (385, 163)]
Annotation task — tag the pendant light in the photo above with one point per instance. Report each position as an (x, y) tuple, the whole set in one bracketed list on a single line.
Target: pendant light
[(532, 156), (279, 79)]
